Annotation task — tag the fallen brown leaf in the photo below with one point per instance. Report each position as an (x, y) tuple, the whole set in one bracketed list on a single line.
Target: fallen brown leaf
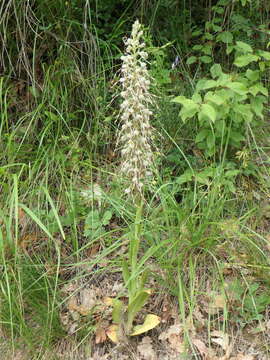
[(203, 350), (100, 335), (220, 338), (145, 349), (242, 357)]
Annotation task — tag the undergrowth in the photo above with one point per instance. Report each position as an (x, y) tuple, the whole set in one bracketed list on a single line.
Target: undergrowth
[(66, 225)]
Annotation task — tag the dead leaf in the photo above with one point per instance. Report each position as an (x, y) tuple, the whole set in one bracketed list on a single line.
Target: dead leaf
[(150, 322), (72, 303), (27, 240), (203, 350), (22, 218), (199, 316), (220, 338), (145, 349), (218, 302), (243, 357), (112, 333), (174, 337), (87, 299), (100, 335)]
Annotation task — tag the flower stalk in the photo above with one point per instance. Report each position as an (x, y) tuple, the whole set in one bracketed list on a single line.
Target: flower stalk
[(136, 135)]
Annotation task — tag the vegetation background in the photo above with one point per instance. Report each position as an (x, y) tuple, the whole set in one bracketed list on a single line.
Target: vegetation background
[(68, 231)]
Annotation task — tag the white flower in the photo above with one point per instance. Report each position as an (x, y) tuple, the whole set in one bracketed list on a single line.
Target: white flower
[(135, 136)]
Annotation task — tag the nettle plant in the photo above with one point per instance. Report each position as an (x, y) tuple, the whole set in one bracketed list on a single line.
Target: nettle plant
[(227, 106)]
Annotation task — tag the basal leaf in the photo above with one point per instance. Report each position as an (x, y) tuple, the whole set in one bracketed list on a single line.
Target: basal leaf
[(150, 322)]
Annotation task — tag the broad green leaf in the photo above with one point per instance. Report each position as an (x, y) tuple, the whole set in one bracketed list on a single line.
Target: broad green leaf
[(257, 105), (210, 141), (207, 49), (243, 109), (202, 135), (216, 99), (237, 87), (223, 79), (187, 113), (262, 65), (208, 111), (244, 47), (197, 98), (184, 101), (191, 60), (202, 178), (209, 84), (221, 127), (150, 322), (258, 88), (200, 84), (107, 217), (236, 136), (229, 49), (216, 70), (264, 54), (216, 28), (244, 60), (189, 109), (197, 47), (226, 37), (184, 178), (208, 36), (92, 220), (219, 10), (206, 59), (196, 33), (253, 75)]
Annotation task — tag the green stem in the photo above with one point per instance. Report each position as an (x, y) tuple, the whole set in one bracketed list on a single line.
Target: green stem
[(135, 244)]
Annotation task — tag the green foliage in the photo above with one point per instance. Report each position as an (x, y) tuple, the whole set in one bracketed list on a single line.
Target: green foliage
[(58, 119), (227, 105), (250, 301), (95, 223)]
